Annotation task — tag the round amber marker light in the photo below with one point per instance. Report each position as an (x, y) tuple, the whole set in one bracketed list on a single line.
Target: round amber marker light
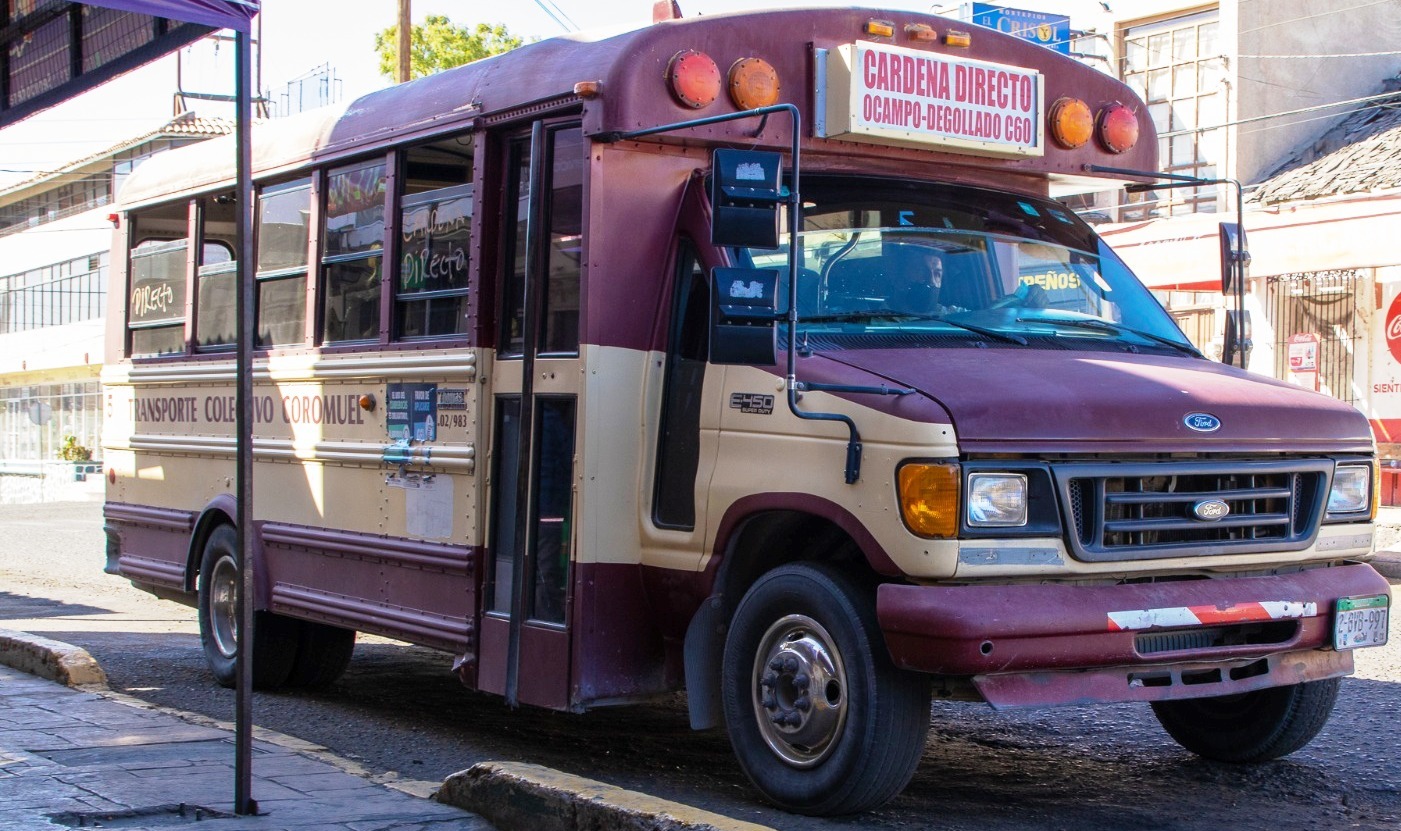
[(1118, 128), (753, 84), (694, 79), (1071, 122)]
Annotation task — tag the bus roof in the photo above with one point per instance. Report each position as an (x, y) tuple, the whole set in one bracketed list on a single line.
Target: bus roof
[(631, 69)]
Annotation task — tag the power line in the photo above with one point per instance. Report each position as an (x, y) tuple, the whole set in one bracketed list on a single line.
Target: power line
[(557, 15), (1370, 99), (1330, 12), (1339, 55)]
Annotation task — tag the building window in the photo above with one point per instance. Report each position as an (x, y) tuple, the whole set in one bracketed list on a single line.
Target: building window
[(35, 419), (82, 194), (1176, 66), (54, 295)]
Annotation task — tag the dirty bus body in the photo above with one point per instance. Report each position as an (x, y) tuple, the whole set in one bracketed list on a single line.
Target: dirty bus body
[(505, 406)]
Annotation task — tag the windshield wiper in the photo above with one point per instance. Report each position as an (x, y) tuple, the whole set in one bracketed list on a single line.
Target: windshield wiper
[(1116, 328), (895, 315)]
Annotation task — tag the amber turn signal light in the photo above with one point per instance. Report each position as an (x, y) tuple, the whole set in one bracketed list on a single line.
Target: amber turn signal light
[(929, 499), (1071, 122), (753, 84)]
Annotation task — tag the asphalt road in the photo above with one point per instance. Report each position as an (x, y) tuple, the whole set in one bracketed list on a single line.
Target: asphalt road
[(400, 714)]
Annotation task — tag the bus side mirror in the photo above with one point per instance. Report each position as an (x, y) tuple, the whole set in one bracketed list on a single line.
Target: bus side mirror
[(1235, 350), (742, 316), (745, 192), (1234, 257)]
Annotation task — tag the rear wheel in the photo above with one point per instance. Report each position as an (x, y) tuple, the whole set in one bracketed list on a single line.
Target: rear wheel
[(323, 653), (274, 637), (820, 719), (1251, 727)]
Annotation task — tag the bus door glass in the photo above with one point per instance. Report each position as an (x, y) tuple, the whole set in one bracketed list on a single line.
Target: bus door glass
[(536, 377)]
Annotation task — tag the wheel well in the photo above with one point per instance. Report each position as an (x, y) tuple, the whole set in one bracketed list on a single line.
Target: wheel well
[(208, 521), (770, 539), (761, 543)]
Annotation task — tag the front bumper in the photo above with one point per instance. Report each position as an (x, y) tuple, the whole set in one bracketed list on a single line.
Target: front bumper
[(1025, 645)]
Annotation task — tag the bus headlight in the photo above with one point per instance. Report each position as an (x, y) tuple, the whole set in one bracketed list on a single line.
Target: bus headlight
[(1352, 490), (997, 500), (929, 498)]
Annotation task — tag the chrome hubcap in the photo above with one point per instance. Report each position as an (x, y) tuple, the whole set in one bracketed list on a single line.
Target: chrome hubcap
[(799, 687), (223, 606)]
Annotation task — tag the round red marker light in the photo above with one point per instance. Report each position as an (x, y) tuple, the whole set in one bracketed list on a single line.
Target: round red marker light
[(694, 79), (1071, 122), (1118, 128)]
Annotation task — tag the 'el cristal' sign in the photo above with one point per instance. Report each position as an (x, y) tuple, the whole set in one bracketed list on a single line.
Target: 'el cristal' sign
[(891, 95)]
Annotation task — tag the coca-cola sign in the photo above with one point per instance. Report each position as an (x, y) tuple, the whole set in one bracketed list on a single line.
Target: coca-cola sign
[(1393, 328)]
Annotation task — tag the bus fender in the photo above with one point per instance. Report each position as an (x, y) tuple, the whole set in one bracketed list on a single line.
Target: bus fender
[(221, 509), (224, 509), (703, 649)]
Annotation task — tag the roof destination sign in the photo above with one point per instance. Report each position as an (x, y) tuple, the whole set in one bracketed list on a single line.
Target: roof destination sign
[(892, 95)]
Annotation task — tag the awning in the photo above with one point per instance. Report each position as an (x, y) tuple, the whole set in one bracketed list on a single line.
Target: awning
[(56, 50)]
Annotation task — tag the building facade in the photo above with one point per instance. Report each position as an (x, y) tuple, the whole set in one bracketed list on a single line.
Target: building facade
[(55, 234)]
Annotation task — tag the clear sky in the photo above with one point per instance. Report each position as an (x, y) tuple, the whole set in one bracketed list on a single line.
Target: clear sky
[(300, 35)]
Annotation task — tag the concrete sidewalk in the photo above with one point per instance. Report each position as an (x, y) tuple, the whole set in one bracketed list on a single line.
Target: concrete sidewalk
[(83, 758)]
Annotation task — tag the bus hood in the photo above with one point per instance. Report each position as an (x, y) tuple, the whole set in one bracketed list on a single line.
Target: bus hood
[(1039, 401)]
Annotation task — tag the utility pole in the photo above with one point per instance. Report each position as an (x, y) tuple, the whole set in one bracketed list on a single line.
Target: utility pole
[(405, 41)]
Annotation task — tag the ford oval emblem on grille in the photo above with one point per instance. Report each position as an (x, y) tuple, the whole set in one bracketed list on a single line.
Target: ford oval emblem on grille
[(1210, 510), (1202, 422)]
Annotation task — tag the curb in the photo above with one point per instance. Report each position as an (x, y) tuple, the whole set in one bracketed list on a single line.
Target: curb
[(69, 665), (515, 796)]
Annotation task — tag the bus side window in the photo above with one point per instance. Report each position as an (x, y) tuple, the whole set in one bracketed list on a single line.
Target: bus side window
[(431, 286), (559, 327), (159, 267), (216, 284), (351, 263), (284, 213), (688, 348), (564, 189)]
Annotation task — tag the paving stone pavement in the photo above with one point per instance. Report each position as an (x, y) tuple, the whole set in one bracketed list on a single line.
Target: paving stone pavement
[(74, 758)]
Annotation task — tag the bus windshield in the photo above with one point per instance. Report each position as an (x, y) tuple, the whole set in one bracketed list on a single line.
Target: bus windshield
[(933, 258)]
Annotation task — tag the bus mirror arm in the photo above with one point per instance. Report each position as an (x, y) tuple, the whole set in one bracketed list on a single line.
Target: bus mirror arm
[(853, 445), (1234, 256)]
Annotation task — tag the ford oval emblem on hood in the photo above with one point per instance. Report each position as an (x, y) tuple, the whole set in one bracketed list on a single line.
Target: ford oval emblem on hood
[(1210, 510), (1202, 422)]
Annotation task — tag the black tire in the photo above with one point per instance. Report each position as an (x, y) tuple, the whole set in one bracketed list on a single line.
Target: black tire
[(274, 637), (820, 719), (1251, 727), (323, 653)]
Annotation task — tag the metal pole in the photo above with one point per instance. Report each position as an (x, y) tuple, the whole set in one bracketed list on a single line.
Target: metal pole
[(404, 72), (243, 225)]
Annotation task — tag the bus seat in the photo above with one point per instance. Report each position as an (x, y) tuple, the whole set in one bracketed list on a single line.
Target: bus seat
[(809, 284), (854, 284)]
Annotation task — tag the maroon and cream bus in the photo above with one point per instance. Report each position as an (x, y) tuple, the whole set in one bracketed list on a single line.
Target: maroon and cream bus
[(546, 382)]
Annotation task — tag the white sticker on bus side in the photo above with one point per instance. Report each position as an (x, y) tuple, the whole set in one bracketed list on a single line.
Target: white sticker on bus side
[(428, 509)]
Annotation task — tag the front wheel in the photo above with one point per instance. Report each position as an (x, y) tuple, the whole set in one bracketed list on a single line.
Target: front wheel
[(821, 720), (274, 637), (1250, 727)]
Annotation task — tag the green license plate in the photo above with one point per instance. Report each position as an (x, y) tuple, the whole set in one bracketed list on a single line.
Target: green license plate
[(1360, 621)]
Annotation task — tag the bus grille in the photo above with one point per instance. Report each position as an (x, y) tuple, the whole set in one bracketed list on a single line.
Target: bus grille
[(1148, 511)]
